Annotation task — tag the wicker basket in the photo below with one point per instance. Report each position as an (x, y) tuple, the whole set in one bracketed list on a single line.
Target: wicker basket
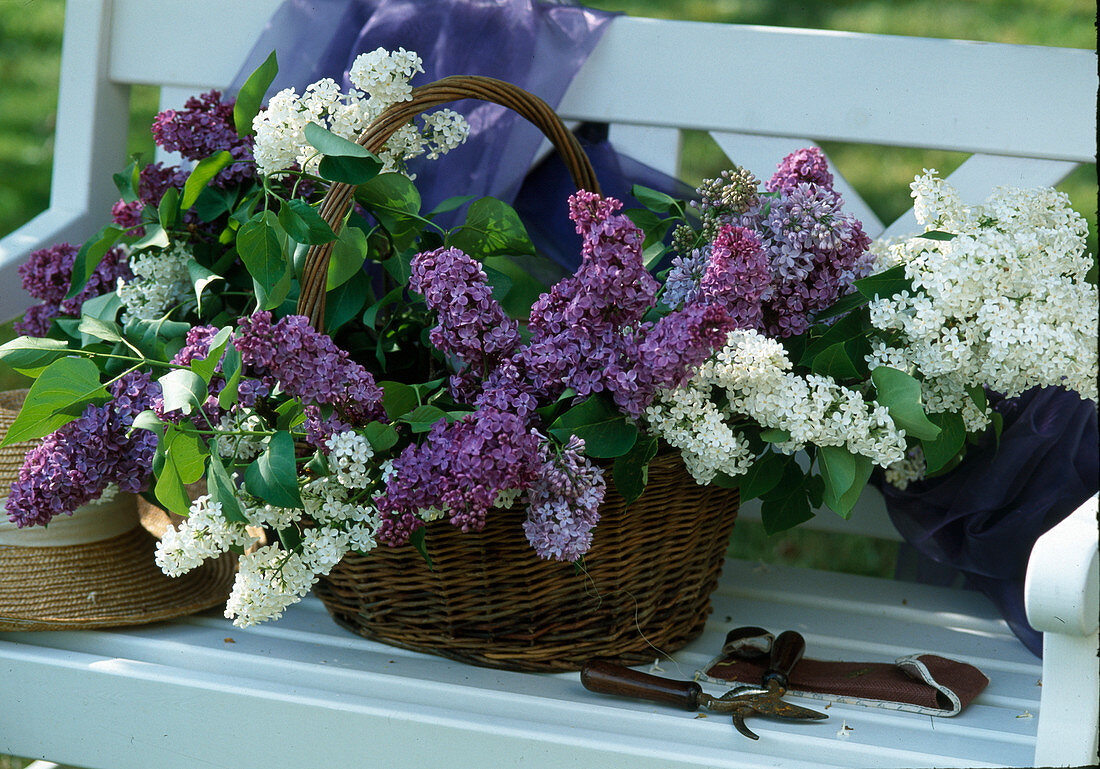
[(643, 588)]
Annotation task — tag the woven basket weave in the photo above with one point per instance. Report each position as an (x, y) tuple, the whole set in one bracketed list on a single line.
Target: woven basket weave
[(643, 588)]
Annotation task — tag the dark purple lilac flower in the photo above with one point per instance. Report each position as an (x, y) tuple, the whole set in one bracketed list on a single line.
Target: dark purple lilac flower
[(472, 325), (577, 328), (773, 261), (460, 468), (153, 181), (308, 364), (47, 275), (737, 276), (807, 165), (75, 463), (666, 354), (202, 128), (563, 504)]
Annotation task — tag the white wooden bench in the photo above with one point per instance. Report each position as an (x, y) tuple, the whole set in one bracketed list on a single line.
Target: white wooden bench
[(302, 692)]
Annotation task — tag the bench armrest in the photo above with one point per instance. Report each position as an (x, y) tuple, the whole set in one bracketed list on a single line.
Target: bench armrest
[(1061, 593), (1061, 590)]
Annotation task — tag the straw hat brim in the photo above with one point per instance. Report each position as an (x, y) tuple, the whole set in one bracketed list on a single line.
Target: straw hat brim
[(108, 583)]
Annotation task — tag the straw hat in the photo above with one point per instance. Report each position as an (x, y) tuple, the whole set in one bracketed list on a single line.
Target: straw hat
[(95, 568)]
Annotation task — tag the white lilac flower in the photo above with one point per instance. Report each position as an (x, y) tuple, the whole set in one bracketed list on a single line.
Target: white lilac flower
[(379, 79), (906, 470), (268, 581), (204, 534), (241, 447), (160, 282), (349, 458), (753, 373), (1003, 304)]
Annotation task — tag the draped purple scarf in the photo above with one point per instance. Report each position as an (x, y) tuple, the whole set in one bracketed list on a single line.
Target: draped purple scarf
[(981, 519)]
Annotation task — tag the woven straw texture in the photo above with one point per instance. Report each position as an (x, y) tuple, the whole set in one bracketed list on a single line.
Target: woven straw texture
[(643, 589), (108, 583), (11, 457), (488, 599)]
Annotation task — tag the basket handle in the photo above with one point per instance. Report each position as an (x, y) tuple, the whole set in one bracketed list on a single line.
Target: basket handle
[(334, 206)]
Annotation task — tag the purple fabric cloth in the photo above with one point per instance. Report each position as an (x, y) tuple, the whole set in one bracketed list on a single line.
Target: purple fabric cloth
[(982, 518), (537, 45)]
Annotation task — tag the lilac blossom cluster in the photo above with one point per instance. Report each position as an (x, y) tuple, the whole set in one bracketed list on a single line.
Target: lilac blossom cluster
[(75, 463), (47, 275), (773, 259), (563, 504), (202, 128), (462, 468), (304, 362), (307, 364), (588, 332), (472, 326)]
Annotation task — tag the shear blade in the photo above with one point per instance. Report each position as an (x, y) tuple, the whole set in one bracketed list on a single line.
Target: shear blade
[(739, 722)]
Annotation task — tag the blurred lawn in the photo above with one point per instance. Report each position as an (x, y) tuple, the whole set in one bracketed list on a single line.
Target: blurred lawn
[(30, 44)]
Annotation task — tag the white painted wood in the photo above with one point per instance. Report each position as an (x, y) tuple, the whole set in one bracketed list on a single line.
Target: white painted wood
[(875, 89), (1062, 594), (179, 695), (656, 147)]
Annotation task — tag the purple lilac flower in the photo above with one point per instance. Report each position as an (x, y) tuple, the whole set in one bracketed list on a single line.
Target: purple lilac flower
[(668, 353), (471, 324), (203, 127), (737, 276), (461, 467), (815, 251), (75, 463), (508, 389), (308, 364), (153, 181), (47, 275), (685, 272), (563, 503), (577, 328), (804, 165)]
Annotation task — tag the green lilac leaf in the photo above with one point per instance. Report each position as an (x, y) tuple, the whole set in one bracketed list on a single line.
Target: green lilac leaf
[(301, 222), (788, 504), (201, 175), (273, 476), (251, 96), (183, 390), (631, 470), (940, 451), (260, 247), (605, 431), (763, 476), (347, 257), (398, 399), (492, 228), (29, 355), (901, 395), (57, 397), (89, 256), (223, 490), (884, 284), (654, 200)]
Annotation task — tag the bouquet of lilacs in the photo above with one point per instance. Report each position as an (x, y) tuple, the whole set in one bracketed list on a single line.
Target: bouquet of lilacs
[(449, 382), (863, 358)]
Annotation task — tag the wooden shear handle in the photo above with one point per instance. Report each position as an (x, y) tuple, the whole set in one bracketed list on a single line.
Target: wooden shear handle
[(786, 652), (608, 678)]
